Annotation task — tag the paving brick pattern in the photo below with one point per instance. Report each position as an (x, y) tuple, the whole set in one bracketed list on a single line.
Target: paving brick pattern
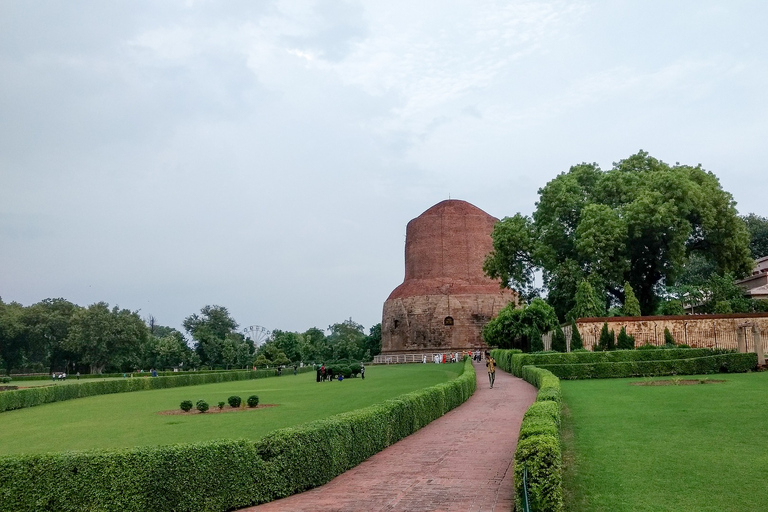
[(460, 462)]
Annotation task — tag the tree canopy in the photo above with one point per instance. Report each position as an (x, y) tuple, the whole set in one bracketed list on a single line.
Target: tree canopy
[(639, 222), (520, 327), (758, 233)]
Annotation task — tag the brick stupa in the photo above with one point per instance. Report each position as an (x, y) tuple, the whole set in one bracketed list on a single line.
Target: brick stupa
[(445, 299)]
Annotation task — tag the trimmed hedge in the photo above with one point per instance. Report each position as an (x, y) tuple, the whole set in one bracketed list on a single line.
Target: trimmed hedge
[(222, 475), (723, 363), (517, 361), (30, 397)]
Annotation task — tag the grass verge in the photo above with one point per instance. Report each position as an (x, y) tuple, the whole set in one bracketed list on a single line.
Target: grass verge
[(657, 448)]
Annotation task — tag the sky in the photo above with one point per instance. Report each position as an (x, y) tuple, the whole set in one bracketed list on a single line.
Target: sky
[(266, 156)]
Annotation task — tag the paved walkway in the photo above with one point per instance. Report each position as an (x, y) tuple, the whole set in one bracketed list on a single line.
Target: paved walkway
[(460, 462)]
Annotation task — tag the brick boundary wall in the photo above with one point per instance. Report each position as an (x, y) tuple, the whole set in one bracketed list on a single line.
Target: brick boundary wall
[(699, 331)]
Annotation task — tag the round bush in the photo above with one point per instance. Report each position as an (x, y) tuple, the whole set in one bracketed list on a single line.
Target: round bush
[(201, 405), (186, 405), (221, 405), (234, 401), (253, 401)]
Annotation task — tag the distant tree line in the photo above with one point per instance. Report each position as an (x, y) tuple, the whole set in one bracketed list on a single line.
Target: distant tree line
[(58, 335)]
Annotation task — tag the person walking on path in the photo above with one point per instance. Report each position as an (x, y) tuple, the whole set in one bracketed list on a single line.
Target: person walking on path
[(491, 364)]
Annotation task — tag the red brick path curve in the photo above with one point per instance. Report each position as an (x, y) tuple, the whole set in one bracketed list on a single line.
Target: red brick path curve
[(460, 462)]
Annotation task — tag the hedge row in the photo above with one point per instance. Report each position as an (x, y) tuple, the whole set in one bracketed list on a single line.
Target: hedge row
[(222, 475), (723, 363), (538, 446), (31, 397), (163, 373), (517, 362)]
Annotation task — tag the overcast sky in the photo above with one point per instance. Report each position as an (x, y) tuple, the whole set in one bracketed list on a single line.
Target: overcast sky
[(266, 156)]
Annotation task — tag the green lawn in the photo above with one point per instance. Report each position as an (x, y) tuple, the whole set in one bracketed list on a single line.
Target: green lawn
[(677, 448), (131, 419)]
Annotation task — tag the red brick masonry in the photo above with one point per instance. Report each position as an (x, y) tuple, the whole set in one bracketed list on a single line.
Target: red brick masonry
[(460, 462)]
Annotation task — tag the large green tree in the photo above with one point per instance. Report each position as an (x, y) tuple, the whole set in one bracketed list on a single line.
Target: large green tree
[(639, 222), (209, 329), (100, 336)]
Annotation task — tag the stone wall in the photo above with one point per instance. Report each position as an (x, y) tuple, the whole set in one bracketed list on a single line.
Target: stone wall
[(700, 331)]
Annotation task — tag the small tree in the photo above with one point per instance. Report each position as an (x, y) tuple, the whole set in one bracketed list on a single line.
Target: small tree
[(672, 307), (576, 341), (587, 303), (262, 361), (607, 339), (669, 340), (558, 340), (625, 341), (536, 344), (631, 304)]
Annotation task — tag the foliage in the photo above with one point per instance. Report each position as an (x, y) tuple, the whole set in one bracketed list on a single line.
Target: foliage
[(221, 405), (672, 307), (186, 405), (587, 304), (253, 401), (631, 305), (758, 234), (234, 401), (517, 327), (639, 222), (261, 361), (201, 405), (558, 340), (209, 329), (100, 335), (577, 343), (537, 345), (624, 341), (223, 475), (669, 340), (607, 339)]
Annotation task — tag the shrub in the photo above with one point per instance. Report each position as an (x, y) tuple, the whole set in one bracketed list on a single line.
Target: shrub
[(253, 401), (536, 344), (607, 339), (355, 369), (558, 340), (234, 401), (625, 341), (186, 405), (669, 340), (5, 380), (201, 405), (221, 405), (576, 341)]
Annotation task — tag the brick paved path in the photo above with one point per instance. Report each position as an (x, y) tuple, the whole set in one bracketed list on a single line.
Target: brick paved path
[(460, 462)]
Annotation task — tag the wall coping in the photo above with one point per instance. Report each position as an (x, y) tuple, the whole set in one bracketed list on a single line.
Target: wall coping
[(669, 317)]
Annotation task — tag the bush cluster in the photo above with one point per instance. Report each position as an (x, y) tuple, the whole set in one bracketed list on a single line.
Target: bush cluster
[(222, 475), (5, 380), (31, 397)]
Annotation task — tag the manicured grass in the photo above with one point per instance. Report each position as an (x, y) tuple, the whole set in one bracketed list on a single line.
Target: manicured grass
[(694, 448), (131, 419)]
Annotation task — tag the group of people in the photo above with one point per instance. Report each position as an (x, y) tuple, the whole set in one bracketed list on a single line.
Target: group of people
[(476, 355), (327, 374)]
